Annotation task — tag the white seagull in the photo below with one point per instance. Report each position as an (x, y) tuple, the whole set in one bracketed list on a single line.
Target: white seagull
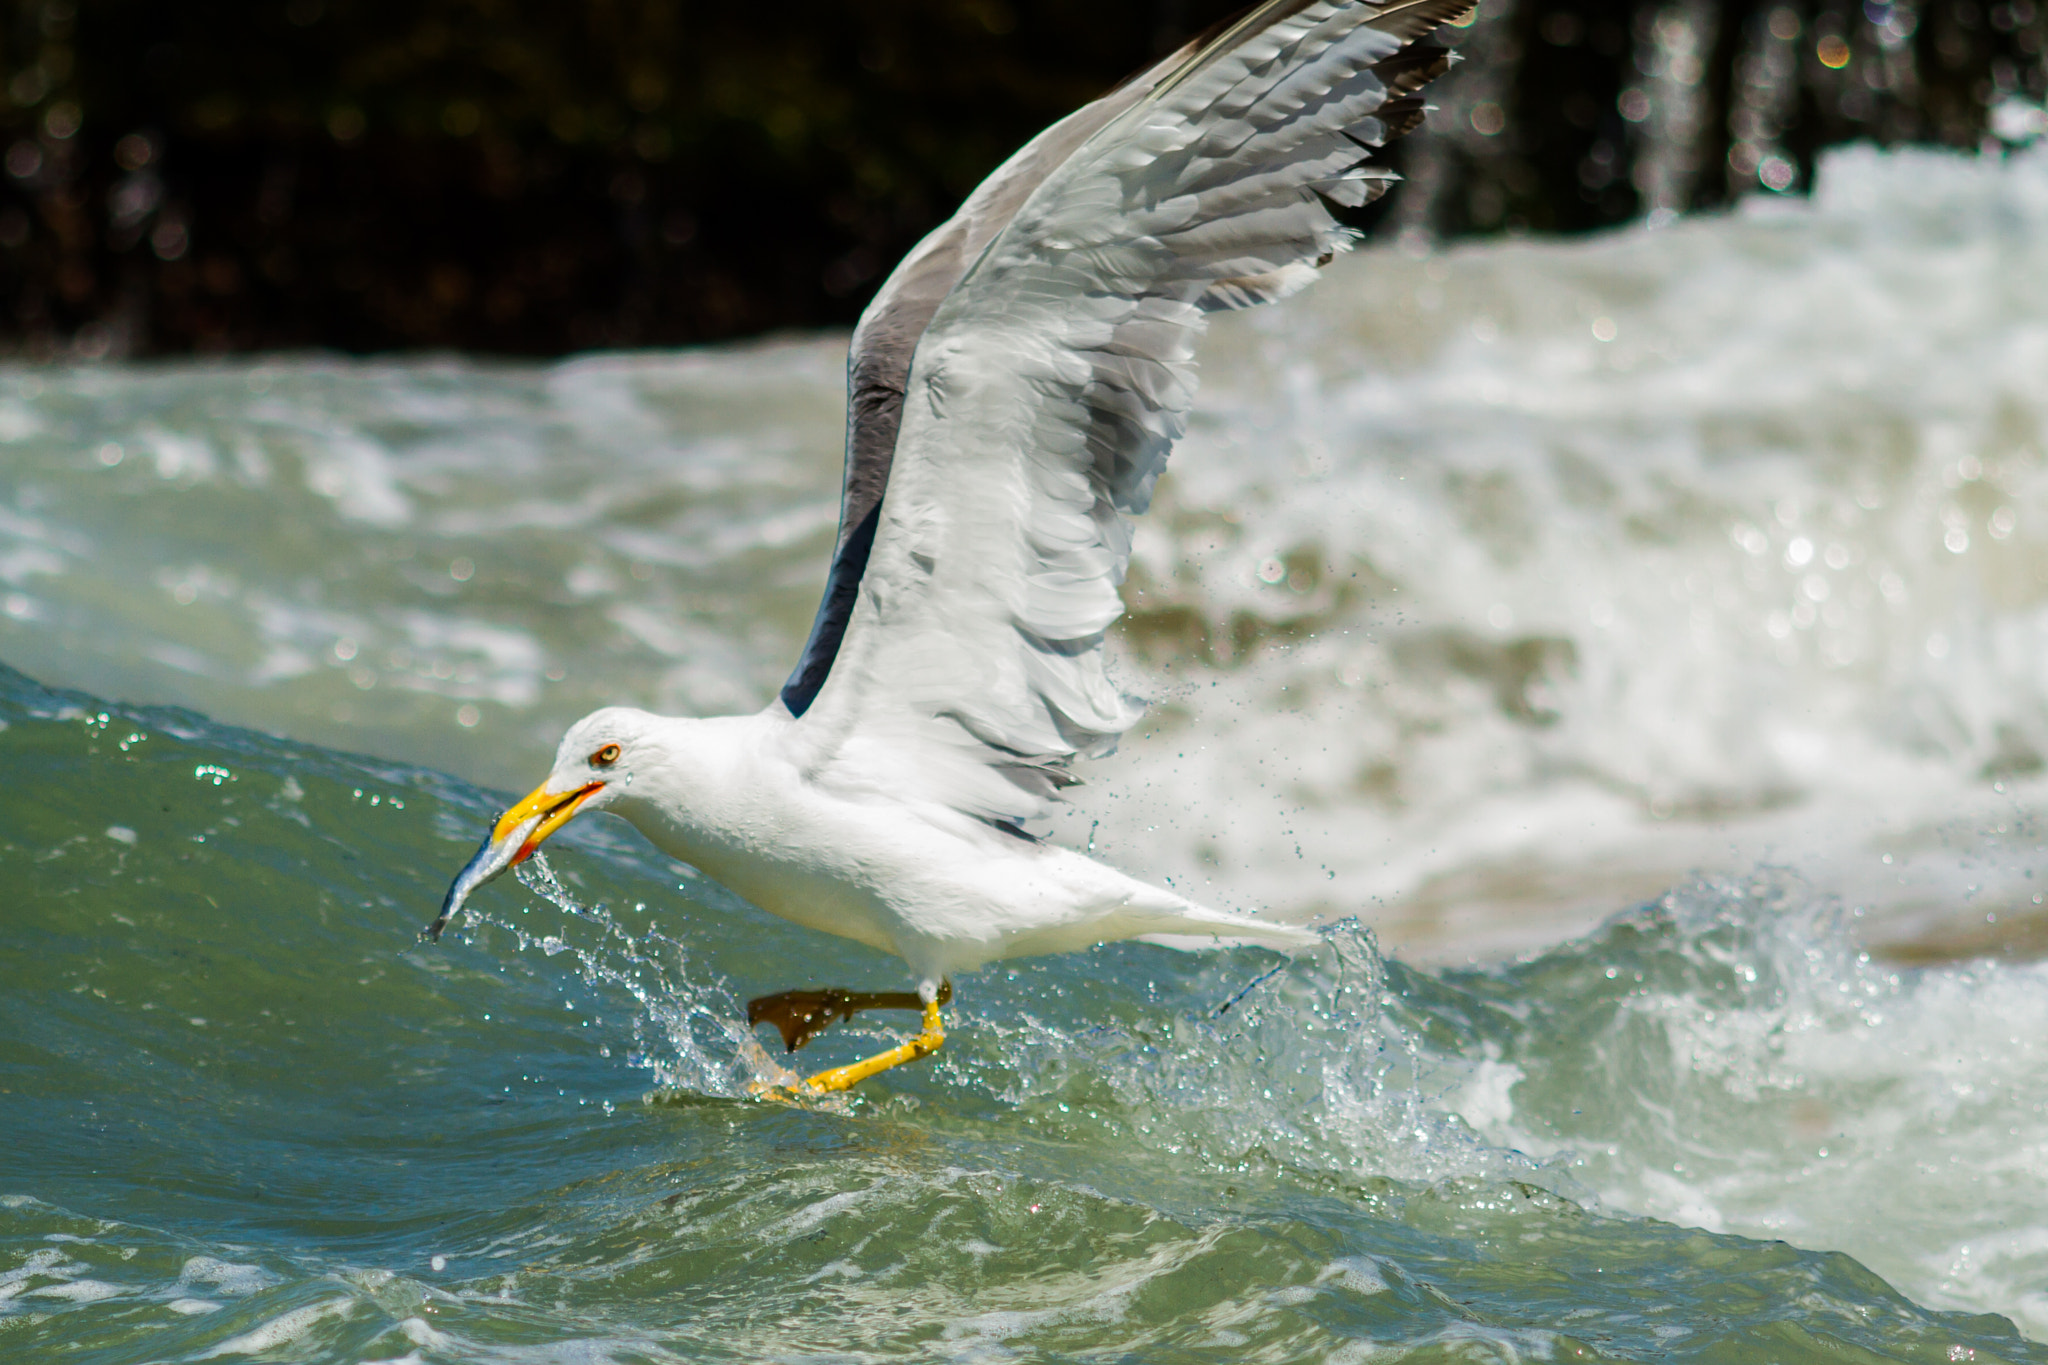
[(1014, 390)]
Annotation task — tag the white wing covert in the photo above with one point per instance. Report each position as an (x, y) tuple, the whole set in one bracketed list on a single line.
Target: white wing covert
[(1052, 380)]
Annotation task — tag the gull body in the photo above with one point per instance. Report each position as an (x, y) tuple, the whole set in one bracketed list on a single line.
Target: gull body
[(945, 891), (1014, 390)]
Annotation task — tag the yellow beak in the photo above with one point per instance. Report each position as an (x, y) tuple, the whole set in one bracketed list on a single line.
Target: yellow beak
[(512, 840), (553, 810)]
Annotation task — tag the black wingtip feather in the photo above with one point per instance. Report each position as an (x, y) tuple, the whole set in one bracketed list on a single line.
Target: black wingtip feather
[(1412, 68), (1403, 115)]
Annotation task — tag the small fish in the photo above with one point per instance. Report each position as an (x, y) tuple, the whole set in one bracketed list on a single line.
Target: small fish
[(493, 857), (512, 840)]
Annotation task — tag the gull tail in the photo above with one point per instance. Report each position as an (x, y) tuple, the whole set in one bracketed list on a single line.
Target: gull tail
[(1197, 927), (1157, 915)]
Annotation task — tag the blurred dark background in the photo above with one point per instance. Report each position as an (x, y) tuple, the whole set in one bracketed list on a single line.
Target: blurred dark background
[(523, 177)]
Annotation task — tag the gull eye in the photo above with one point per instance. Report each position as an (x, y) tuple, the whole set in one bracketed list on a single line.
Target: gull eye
[(605, 757)]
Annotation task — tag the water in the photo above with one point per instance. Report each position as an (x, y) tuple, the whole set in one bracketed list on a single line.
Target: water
[(1665, 608), (248, 1115)]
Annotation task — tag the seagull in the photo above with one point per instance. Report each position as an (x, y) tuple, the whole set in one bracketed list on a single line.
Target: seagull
[(1013, 392)]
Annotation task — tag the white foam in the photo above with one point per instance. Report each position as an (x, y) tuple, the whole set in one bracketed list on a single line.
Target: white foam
[(78, 1291), (282, 1330), (45, 1261), (811, 1216), (230, 1277), (1782, 1085), (1357, 1274), (420, 1332), (1582, 615)]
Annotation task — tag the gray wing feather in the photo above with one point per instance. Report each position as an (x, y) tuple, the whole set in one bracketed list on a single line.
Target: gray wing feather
[(878, 361), (1050, 382)]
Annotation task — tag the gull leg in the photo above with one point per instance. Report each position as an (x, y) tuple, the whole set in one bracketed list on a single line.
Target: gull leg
[(802, 1015), (846, 1077)]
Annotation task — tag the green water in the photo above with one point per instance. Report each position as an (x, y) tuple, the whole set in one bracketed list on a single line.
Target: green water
[(1457, 617), (244, 1115)]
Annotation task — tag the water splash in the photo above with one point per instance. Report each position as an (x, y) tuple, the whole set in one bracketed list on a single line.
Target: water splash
[(690, 1035)]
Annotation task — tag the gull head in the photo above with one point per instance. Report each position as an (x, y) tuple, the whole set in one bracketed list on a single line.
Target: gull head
[(594, 768)]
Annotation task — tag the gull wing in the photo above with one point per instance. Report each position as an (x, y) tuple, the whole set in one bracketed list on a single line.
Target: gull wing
[(878, 362), (1052, 379)]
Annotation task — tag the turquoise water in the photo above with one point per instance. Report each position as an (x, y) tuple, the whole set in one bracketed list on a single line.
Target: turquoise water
[(1642, 637), (247, 1116)]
